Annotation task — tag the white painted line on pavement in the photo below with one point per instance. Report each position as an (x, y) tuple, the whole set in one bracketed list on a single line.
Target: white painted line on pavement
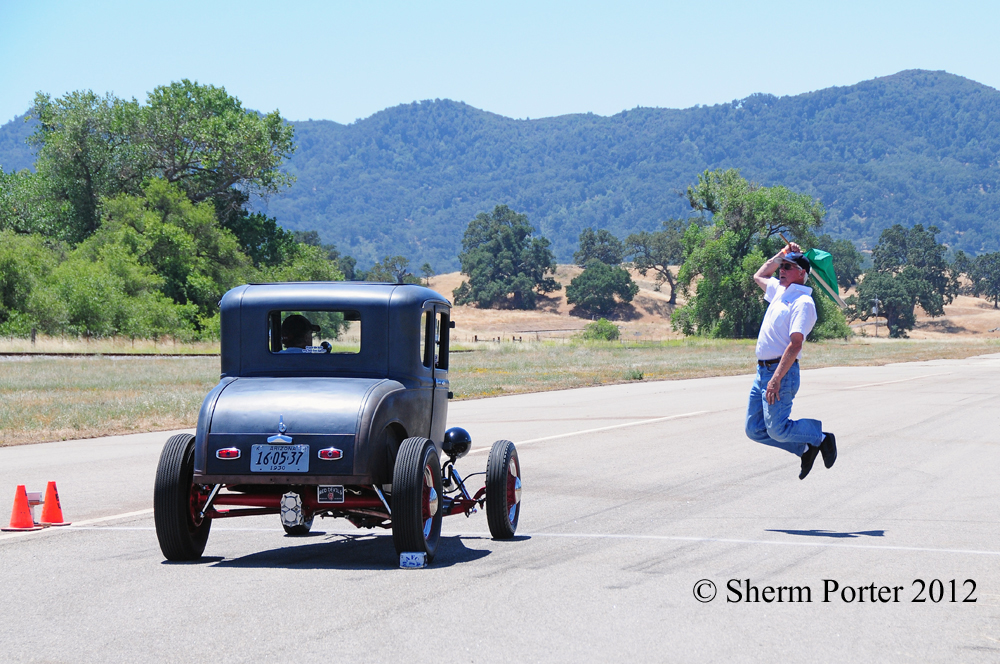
[(225, 529), (606, 536), (102, 519), (484, 450), (721, 540), (77, 525), (903, 380), (148, 528)]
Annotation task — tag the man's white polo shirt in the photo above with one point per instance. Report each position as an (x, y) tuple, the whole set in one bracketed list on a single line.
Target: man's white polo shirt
[(790, 310)]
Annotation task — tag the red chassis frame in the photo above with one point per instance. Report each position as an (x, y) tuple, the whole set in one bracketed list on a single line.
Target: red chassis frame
[(362, 501)]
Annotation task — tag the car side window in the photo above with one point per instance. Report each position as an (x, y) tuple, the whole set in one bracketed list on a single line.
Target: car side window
[(441, 341), (426, 336)]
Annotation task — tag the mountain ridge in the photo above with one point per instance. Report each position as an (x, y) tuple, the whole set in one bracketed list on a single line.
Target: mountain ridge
[(914, 147)]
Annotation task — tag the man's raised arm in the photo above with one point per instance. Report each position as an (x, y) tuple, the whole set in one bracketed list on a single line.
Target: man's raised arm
[(761, 276)]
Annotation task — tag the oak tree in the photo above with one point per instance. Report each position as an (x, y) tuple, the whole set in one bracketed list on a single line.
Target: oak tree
[(601, 288), (657, 251), (599, 245), (506, 266)]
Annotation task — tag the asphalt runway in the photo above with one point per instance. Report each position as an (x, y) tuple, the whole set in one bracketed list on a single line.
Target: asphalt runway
[(633, 495)]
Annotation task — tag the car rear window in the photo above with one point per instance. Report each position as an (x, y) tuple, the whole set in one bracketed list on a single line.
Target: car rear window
[(319, 332)]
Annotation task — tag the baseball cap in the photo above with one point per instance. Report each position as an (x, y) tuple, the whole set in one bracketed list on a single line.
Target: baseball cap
[(798, 259)]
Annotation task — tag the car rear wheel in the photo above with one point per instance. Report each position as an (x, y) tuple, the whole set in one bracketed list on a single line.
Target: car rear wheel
[(503, 490), (177, 502), (416, 498)]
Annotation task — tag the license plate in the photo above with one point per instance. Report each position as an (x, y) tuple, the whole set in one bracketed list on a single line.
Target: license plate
[(279, 459)]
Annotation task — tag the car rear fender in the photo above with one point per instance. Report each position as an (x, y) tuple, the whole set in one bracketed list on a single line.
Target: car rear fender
[(398, 414), (205, 424)]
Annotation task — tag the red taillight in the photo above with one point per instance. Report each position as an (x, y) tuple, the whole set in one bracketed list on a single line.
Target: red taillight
[(331, 454), (228, 453)]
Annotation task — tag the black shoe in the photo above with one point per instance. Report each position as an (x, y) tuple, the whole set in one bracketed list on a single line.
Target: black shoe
[(807, 461), (829, 449)]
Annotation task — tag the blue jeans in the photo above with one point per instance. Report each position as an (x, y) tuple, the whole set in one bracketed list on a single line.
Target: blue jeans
[(769, 424)]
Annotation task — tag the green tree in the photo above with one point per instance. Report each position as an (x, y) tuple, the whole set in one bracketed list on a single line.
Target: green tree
[(180, 240), (197, 136), (504, 263), (105, 293), (428, 272), (985, 275), (304, 263), (87, 149), (600, 245), (720, 258), (601, 288), (260, 237), (25, 262), (657, 251), (27, 206), (899, 248), (909, 268), (392, 269), (896, 295), (203, 139), (963, 266)]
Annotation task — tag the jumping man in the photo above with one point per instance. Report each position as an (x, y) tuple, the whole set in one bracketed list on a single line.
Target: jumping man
[(790, 317)]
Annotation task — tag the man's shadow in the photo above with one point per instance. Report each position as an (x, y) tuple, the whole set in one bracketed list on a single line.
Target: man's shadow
[(353, 552), (829, 533)]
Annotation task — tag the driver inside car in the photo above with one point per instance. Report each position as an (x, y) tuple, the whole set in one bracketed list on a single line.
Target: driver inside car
[(297, 333)]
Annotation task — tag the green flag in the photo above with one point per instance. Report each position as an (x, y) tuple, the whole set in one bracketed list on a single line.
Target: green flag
[(822, 272)]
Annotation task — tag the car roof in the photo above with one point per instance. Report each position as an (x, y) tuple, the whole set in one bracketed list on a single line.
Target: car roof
[(302, 294), (391, 311)]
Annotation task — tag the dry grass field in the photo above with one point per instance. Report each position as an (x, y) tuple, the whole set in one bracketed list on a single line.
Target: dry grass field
[(46, 397), (57, 398), (110, 346), (648, 317)]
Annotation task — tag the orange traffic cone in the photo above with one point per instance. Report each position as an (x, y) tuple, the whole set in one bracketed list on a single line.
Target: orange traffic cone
[(51, 509), (20, 517)]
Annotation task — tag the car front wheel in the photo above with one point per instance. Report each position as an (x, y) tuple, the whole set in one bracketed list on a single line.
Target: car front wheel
[(503, 490)]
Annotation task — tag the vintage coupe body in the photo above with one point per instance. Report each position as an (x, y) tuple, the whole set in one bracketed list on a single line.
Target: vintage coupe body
[(333, 401)]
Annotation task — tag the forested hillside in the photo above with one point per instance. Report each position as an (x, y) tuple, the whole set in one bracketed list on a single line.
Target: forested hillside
[(915, 147), (15, 153)]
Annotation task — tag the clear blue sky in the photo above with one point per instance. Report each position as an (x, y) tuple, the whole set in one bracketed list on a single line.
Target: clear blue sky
[(346, 60)]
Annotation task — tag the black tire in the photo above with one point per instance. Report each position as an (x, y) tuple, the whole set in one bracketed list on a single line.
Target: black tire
[(416, 498), (299, 531), (181, 534), (503, 490)]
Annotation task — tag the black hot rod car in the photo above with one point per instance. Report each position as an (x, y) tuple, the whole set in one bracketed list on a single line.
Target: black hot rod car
[(333, 401)]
